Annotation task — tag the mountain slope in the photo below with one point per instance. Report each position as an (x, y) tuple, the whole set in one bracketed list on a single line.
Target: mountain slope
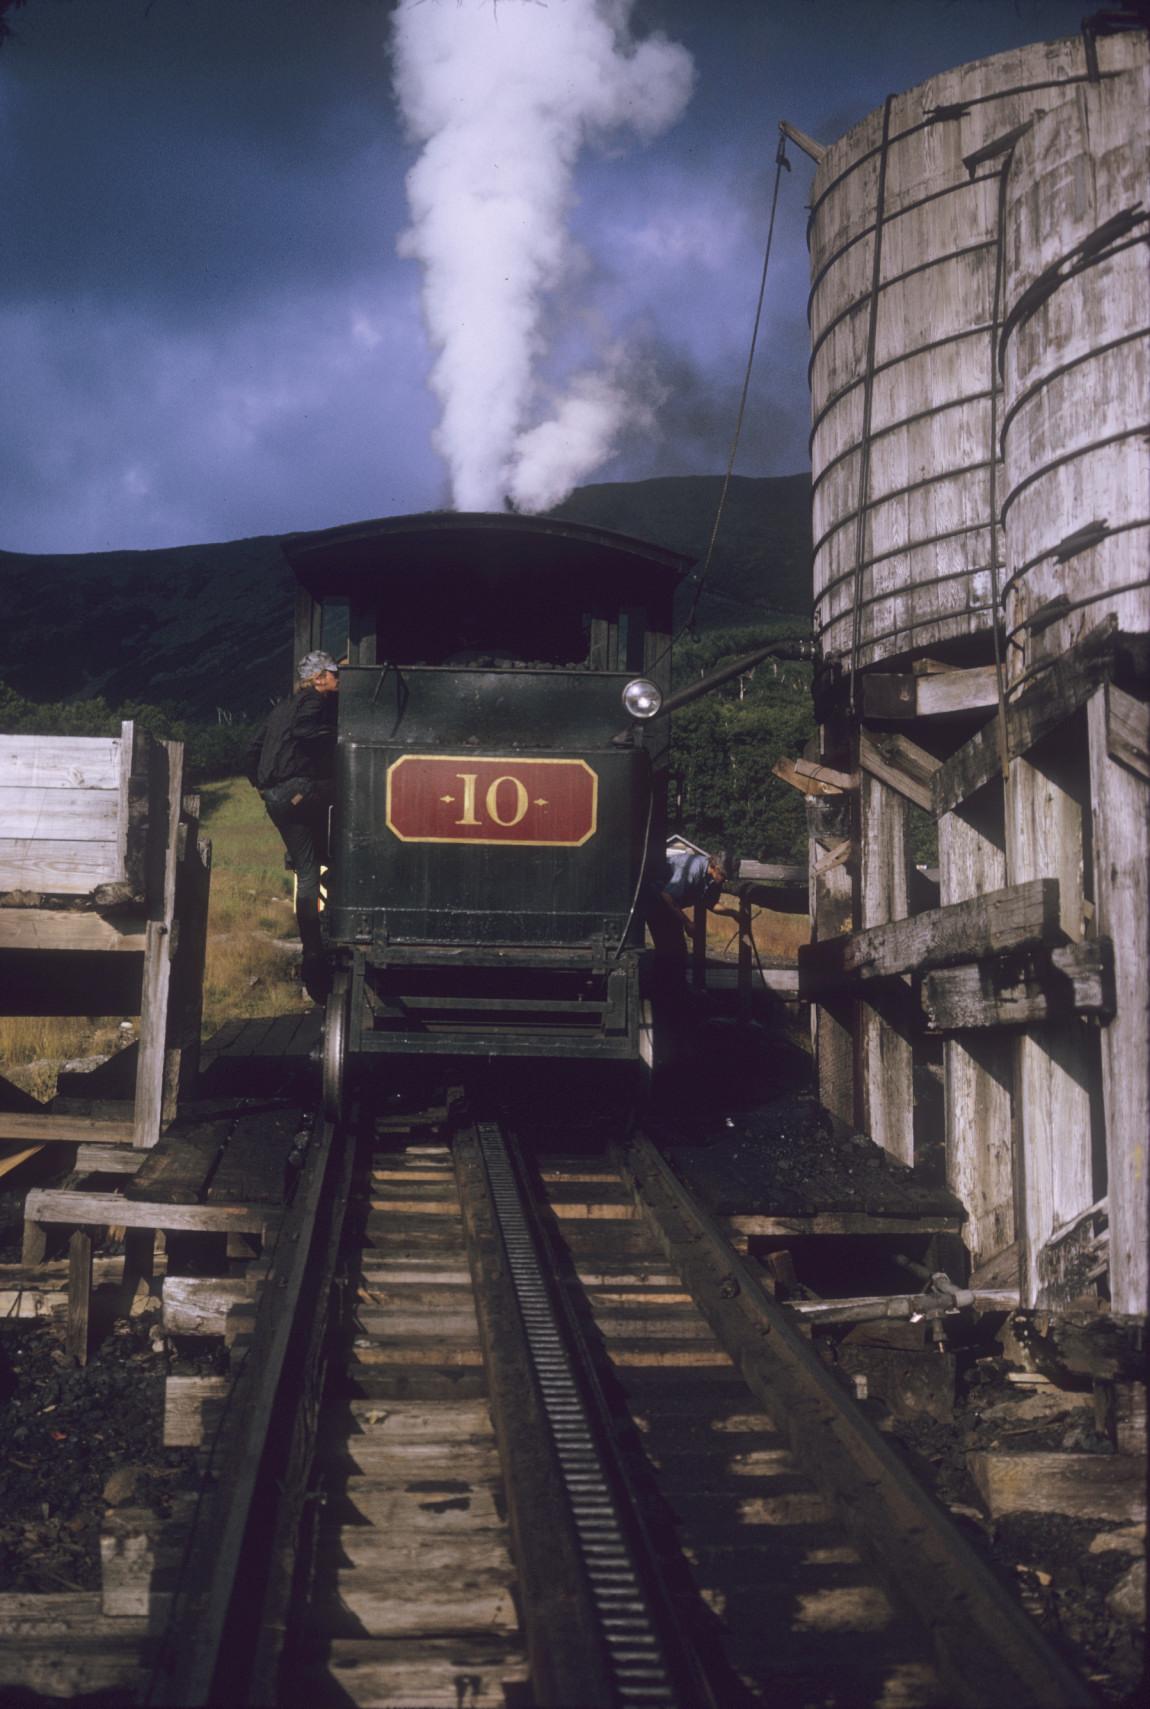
[(211, 626)]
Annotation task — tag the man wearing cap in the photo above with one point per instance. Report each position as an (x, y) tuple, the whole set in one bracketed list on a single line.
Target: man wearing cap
[(291, 761)]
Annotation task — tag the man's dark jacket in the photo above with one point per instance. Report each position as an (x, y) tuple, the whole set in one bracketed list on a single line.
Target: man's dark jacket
[(296, 740)]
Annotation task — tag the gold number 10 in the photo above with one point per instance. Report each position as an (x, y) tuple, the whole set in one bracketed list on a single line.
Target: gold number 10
[(469, 780)]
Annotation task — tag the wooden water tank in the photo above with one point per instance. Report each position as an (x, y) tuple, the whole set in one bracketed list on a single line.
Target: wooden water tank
[(1075, 362), (901, 376)]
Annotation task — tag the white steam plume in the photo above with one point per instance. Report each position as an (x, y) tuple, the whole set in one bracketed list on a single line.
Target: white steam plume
[(503, 94)]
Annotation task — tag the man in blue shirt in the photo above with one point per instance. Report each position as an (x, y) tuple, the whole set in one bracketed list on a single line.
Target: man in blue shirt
[(688, 878)]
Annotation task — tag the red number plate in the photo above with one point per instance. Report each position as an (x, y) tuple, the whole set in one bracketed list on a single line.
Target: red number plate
[(459, 798)]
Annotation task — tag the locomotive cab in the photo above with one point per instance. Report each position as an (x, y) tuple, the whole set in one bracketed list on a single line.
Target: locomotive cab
[(497, 785)]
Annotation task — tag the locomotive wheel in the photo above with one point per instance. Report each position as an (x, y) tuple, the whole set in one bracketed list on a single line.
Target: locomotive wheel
[(335, 1030)]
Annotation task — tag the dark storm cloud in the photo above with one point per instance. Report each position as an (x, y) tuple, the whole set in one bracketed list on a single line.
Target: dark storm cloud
[(205, 330), (196, 151)]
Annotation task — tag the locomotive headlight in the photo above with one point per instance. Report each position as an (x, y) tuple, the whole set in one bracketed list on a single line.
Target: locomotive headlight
[(641, 698)]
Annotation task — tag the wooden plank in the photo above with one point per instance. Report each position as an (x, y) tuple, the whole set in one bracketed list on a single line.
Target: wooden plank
[(1122, 909), (79, 1295), (55, 1205), (940, 694), (1039, 710), (977, 1072), (56, 867), (65, 1130), (900, 763), (252, 1168), (60, 762), (58, 928), (886, 1051), (1022, 991), (1128, 729), (1084, 1486), (1021, 916), (176, 1171), (59, 815)]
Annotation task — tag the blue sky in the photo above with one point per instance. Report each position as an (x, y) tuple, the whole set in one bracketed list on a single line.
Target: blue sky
[(206, 330)]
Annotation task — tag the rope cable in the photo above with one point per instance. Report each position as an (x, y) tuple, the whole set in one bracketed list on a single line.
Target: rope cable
[(781, 164)]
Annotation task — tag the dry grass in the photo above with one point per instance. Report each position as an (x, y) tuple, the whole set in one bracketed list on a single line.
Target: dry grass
[(251, 924), (250, 962), (32, 1047), (776, 936)]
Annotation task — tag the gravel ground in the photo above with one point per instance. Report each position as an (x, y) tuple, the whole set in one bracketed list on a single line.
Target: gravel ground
[(77, 1440)]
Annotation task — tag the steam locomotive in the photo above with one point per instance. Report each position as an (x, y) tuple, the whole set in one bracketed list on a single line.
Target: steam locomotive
[(499, 779)]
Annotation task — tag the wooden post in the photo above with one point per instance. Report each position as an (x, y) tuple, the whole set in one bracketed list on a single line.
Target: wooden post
[(832, 913), (186, 996), (977, 1066), (152, 1063), (746, 921), (79, 1295), (886, 1050), (1120, 800), (1044, 826), (35, 1247), (699, 947)]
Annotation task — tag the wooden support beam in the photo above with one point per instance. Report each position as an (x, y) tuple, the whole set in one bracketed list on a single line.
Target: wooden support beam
[(1022, 991), (64, 1130), (1128, 729), (832, 913), (1021, 916), (154, 1105), (1120, 803), (977, 1070), (79, 1295), (108, 1159), (199, 1305), (1056, 1064), (886, 1053), (68, 928), (900, 763), (113, 1210), (1039, 710), (937, 695)]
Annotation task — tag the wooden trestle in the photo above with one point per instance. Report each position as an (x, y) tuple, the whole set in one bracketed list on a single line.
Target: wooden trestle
[(1016, 972)]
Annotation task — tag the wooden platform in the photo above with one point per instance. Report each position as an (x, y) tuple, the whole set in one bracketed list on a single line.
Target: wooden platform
[(266, 1036)]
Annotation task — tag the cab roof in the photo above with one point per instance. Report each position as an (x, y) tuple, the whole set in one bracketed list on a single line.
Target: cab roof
[(335, 559)]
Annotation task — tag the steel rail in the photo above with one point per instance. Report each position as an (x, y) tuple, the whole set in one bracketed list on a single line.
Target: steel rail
[(229, 1611), (987, 1649), (574, 1534)]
